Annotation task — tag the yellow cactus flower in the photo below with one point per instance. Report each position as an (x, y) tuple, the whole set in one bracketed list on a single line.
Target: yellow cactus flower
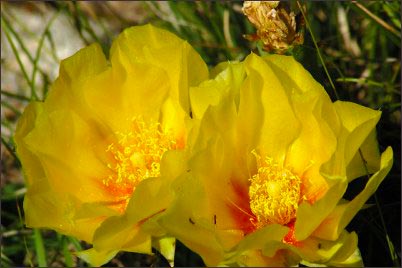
[(92, 151), (268, 167)]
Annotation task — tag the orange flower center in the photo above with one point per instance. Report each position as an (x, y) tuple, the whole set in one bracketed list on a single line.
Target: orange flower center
[(274, 193), (135, 157)]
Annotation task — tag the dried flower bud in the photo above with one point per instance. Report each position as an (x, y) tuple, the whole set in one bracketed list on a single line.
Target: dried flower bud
[(276, 25)]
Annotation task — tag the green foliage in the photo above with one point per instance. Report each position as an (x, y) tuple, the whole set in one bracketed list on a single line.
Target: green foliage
[(359, 45)]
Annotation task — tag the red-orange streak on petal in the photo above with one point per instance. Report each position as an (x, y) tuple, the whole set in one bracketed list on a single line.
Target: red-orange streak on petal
[(147, 218), (290, 237), (240, 209), (119, 193)]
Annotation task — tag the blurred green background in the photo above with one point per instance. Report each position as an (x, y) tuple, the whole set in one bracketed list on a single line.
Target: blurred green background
[(360, 45)]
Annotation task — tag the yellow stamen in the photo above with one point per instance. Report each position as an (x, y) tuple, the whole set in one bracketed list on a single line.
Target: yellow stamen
[(274, 193), (136, 156)]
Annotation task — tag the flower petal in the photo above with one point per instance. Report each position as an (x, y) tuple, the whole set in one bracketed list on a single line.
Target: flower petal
[(326, 252), (96, 258), (166, 246), (319, 123), (309, 216), (32, 167), (333, 225), (65, 144), (371, 154), (357, 123), (115, 99), (148, 44), (280, 130), (210, 92), (184, 220), (75, 73)]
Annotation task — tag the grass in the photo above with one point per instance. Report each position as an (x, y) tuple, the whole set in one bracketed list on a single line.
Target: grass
[(351, 48)]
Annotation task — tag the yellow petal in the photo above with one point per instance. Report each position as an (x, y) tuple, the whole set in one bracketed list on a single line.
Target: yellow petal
[(115, 99), (119, 233), (280, 130), (32, 167), (211, 92), (259, 238), (309, 216), (255, 258), (125, 232), (218, 135), (65, 143), (40, 199), (357, 123), (318, 251), (184, 220), (96, 258), (348, 256), (166, 246), (315, 144), (148, 44), (41, 196), (354, 260), (132, 231), (333, 225), (87, 62), (250, 115), (75, 73), (319, 123), (175, 121), (371, 154), (207, 93)]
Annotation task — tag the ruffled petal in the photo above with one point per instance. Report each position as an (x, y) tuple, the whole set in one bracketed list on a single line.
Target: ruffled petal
[(147, 44), (167, 247), (75, 73), (371, 157), (358, 123), (185, 220), (333, 225), (96, 258), (32, 167), (65, 144), (116, 99), (309, 216), (280, 126)]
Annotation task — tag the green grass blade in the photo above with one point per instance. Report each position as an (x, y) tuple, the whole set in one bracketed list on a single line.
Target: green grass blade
[(378, 20), (39, 248), (318, 50), (5, 261), (11, 107), (18, 38), (68, 257), (393, 255), (28, 252), (39, 49), (392, 252), (75, 243), (6, 28), (10, 149), (14, 96)]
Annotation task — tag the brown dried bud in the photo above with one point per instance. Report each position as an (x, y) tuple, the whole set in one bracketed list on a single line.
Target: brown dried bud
[(276, 25)]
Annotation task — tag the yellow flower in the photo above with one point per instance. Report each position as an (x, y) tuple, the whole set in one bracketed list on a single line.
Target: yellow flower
[(268, 167), (92, 150)]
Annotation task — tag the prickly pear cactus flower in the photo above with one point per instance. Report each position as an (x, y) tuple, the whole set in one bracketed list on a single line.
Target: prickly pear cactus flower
[(93, 151), (269, 166)]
